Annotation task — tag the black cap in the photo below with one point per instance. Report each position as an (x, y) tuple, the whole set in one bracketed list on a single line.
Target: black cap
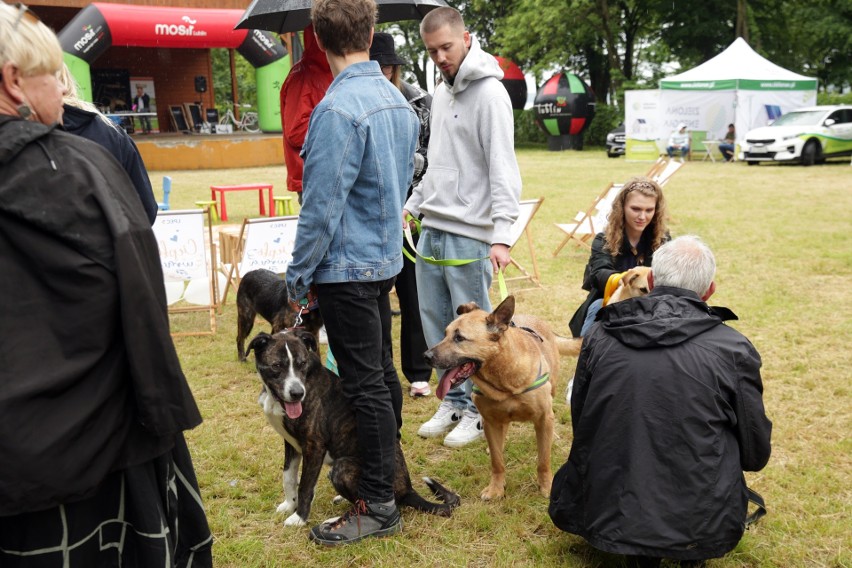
[(383, 51)]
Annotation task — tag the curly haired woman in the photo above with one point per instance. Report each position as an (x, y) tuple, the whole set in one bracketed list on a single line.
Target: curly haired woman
[(636, 228)]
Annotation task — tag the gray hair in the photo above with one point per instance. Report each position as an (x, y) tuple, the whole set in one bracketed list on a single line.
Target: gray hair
[(685, 262)]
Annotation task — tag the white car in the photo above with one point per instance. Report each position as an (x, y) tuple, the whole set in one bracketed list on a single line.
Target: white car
[(807, 135)]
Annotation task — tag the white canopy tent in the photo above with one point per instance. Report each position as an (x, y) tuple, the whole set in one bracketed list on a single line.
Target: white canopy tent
[(737, 86)]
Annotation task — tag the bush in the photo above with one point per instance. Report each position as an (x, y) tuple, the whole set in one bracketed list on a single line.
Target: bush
[(606, 118), (834, 98), (526, 130)]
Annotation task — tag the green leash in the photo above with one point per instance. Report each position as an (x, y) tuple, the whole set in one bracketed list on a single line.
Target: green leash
[(501, 281)]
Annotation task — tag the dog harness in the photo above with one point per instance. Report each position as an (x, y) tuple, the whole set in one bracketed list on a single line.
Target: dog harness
[(540, 380)]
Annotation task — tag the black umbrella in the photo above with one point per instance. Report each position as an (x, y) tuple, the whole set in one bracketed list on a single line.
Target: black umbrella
[(282, 16)]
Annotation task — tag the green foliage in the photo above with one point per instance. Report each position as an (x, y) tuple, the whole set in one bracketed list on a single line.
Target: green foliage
[(526, 130), (606, 118), (834, 98), (246, 81)]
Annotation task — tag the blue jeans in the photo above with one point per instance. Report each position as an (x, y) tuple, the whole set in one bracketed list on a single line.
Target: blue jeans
[(593, 310), (357, 318), (441, 289), (684, 151), (727, 151)]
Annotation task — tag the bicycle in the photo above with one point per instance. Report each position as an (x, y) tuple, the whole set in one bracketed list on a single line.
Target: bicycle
[(247, 121)]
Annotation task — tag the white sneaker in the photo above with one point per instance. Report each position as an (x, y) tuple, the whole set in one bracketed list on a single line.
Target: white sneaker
[(469, 430), (444, 418), (419, 388)]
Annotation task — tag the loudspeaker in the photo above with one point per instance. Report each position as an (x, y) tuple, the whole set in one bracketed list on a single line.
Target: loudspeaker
[(200, 83)]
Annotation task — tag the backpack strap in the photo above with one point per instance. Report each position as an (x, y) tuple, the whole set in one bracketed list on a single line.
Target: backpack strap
[(754, 497)]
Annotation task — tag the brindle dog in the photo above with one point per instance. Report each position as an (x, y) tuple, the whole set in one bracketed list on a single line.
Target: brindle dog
[(305, 404), (263, 292)]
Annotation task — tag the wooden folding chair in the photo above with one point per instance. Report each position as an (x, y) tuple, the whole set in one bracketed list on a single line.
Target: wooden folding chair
[(266, 242), (590, 222), (521, 227)]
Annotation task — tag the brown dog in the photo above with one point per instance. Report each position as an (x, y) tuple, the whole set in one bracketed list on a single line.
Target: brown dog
[(633, 284), (514, 366)]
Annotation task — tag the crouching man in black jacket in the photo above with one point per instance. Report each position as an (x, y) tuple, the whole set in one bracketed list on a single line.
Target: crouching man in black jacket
[(667, 412)]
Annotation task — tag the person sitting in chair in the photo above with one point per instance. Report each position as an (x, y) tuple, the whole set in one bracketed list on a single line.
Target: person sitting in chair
[(727, 147), (679, 142)]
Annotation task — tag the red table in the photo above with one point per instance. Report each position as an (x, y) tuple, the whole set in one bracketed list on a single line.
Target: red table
[(258, 187)]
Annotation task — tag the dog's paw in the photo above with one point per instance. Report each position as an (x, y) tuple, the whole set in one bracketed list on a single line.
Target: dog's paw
[(286, 507), (295, 520), (491, 493)]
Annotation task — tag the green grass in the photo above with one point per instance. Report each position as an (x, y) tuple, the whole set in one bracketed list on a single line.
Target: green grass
[(781, 235)]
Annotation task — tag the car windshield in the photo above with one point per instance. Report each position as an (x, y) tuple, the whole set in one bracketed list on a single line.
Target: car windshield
[(802, 118)]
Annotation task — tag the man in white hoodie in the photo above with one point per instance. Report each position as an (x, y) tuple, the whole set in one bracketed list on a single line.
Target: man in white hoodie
[(468, 199)]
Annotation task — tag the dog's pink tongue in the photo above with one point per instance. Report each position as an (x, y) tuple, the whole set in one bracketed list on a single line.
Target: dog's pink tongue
[(451, 378), (293, 409)]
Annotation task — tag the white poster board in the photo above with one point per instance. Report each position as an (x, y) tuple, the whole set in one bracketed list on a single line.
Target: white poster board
[(269, 244), (641, 124), (186, 259)]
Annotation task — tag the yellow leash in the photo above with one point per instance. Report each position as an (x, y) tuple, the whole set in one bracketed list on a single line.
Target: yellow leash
[(501, 281)]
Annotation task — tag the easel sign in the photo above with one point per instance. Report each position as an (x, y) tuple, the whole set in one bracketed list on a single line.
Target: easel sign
[(271, 245), (187, 260)]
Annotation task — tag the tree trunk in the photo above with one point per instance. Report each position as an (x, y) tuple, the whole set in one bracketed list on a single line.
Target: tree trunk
[(742, 19)]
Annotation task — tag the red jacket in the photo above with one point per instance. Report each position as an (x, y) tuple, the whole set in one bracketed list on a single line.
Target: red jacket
[(304, 88)]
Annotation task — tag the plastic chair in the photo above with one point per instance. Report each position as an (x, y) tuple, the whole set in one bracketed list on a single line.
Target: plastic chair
[(167, 189)]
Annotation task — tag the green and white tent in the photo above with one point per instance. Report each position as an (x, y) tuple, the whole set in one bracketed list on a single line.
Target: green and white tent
[(737, 86)]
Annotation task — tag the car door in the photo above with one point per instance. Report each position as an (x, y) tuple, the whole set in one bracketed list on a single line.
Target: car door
[(839, 139)]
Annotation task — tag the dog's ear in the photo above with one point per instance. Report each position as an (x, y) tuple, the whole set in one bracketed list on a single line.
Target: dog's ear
[(308, 338), (501, 317), (468, 307), (259, 343)]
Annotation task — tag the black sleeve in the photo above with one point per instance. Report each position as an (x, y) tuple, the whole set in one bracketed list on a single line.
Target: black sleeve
[(754, 430), (132, 163), (601, 265)]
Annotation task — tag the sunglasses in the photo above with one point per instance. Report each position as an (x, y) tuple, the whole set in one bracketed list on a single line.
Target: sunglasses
[(24, 13)]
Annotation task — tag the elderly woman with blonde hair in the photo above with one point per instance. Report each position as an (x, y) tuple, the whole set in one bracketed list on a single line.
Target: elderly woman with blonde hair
[(93, 403)]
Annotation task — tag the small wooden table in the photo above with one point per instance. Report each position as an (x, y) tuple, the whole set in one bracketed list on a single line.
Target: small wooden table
[(258, 187)]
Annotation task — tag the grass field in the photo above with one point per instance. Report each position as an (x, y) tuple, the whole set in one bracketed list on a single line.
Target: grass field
[(781, 235)]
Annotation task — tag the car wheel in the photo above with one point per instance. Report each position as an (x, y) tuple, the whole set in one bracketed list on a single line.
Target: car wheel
[(612, 155), (752, 163), (809, 153)]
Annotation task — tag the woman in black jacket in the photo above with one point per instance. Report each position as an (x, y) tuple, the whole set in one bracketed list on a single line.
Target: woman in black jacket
[(93, 402), (636, 228)]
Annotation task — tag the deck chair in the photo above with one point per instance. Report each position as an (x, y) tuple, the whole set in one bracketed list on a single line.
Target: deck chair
[(665, 173), (590, 222), (266, 242), (521, 227)]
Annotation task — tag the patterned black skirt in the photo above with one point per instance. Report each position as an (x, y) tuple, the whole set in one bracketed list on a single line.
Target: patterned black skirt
[(142, 516)]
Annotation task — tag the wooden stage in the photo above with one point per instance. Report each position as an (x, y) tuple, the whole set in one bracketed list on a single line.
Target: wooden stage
[(172, 151)]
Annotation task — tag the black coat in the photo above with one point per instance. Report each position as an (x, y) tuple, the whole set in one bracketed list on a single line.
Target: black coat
[(602, 265), (90, 382), (120, 145), (667, 412)]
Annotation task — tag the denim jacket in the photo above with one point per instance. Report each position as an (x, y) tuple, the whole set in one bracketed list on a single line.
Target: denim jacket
[(359, 163)]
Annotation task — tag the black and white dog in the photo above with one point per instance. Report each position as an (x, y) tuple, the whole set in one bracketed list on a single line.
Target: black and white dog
[(305, 404)]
